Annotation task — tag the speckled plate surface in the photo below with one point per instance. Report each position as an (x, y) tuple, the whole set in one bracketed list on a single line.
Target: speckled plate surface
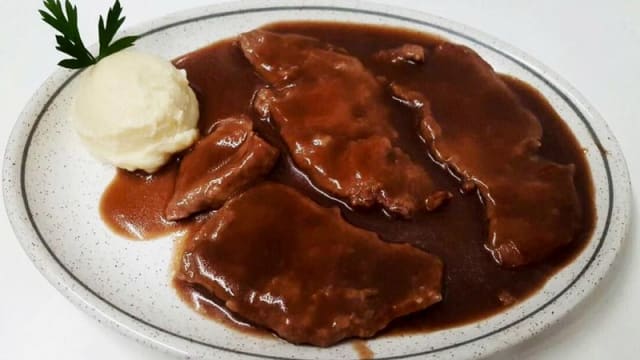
[(52, 188)]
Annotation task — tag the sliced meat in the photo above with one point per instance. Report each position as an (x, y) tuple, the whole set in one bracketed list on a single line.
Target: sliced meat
[(277, 259), (407, 53), (531, 203), (335, 119), (227, 161), (534, 216)]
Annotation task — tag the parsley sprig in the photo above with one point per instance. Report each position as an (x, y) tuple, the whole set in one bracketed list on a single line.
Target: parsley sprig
[(65, 21)]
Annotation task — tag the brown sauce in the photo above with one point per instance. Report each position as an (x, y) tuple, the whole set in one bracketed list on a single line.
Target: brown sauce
[(133, 204), (206, 304), (474, 286), (364, 353)]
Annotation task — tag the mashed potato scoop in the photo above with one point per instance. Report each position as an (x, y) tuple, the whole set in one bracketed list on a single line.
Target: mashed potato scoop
[(135, 110)]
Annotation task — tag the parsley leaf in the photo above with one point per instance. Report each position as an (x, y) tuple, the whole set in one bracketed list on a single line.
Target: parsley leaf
[(65, 20)]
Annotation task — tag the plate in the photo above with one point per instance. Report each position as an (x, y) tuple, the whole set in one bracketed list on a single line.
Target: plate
[(52, 189)]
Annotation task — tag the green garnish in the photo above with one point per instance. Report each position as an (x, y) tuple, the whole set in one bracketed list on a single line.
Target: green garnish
[(65, 21)]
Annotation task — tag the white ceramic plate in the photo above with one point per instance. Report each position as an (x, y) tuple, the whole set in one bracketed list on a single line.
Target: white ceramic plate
[(52, 188)]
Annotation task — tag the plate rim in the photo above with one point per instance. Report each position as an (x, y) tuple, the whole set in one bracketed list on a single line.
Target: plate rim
[(31, 115)]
